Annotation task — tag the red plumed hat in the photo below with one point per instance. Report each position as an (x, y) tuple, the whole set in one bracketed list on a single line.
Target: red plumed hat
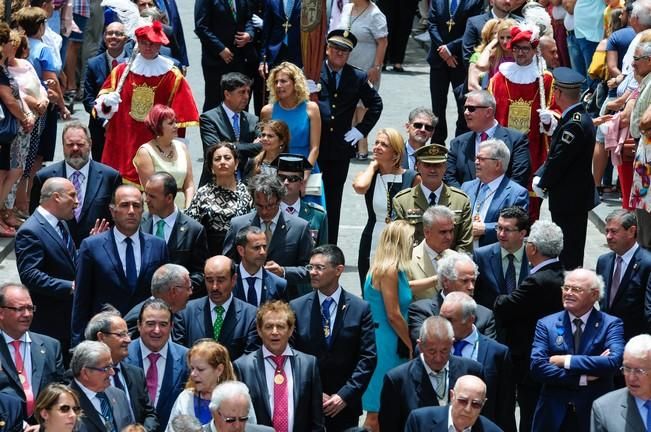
[(153, 33), (522, 34)]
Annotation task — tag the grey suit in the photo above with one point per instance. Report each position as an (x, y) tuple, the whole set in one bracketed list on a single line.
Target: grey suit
[(615, 412), (92, 421)]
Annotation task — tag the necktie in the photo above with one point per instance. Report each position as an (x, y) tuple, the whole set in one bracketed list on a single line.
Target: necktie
[(114, 63), (453, 7), (481, 197), (66, 238), (152, 377), (432, 198), (231, 4), (160, 229), (440, 383), (22, 374), (267, 231), (77, 178), (459, 346), (107, 412), (116, 379), (509, 277), (281, 396), (219, 321), (236, 126), (647, 405), (483, 137), (251, 295), (340, 5), (291, 210), (289, 6), (130, 258), (325, 318), (577, 334), (617, 275)]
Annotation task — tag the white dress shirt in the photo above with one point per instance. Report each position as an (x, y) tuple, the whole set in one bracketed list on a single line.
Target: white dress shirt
[(83, 180), (245, 284), (226, 305), (122, 248), (438, 192), (169, 223), (25, 352), (333, 307), (160, 365)]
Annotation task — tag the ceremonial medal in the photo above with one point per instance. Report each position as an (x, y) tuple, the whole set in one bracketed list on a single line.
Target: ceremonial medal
[(560, 331), (279, 379), (142, 101), (559, 340), (520, 115), (346, 33), (326, 331)]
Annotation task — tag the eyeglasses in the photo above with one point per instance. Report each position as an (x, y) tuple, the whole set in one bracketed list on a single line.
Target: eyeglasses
[(269, 206), (315, 267), (474, 403), (242, 419), (522, 49), (500, 228), (634, 371), (121, 335), (105, 369), (290, 178), (22, 309), (65, 409), (638, 58), (573, 289), (482, 159), (473, 108), (114, 33), (419, 125)]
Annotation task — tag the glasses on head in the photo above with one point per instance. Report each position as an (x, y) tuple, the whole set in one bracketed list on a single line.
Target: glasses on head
[(573, 289), (522, 49), (634, 371), (290, 178), (474, 403), (315, 267), (105, 369), (638, 58), (473, 108), (22, 309), (482, 158), (242, 419), (65, 409), (419, 125), (121, 335), (500, 228)]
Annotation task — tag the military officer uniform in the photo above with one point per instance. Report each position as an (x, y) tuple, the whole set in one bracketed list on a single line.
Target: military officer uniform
[(340, 92), (317, 218), (410, 204), (566, 176)]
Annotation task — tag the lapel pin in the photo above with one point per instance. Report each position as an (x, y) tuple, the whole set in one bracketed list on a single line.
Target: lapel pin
[(182, 229), (635, 266), (42, 351), (343, 307)]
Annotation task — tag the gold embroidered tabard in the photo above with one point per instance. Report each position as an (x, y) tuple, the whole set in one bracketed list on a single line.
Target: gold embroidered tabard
[(142, 101), (520, 115)]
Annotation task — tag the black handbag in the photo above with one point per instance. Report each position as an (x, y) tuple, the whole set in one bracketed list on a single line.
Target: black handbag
[(8, 126)]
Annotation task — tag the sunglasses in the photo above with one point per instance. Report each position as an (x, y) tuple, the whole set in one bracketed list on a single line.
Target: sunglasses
[(290, 178), (418, 125), (65, 409), (473, 108), (474, 404), (242, 419), (638, 58)]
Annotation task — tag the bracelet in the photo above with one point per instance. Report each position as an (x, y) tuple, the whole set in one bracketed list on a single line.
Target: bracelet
[(378, 66)]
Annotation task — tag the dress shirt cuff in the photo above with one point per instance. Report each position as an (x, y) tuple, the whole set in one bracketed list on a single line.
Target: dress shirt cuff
[(568, 359), (583, 380)]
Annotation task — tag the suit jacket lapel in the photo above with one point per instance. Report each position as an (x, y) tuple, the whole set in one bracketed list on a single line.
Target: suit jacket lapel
[(297, 371), (470, 155), (342, 309), (262, 380), (239, 288), (54, 234), (89, 410), (498, 198), (230, 320), (591, 326), (630, 271), (481, 350), (226, 121), (38, 353), (419, 198), (147, 224), (179, 231), (567, 330), (264, 292), (631, 414), (496, 267), (172, 372), (422, 385), (8, 364), (145, 251), (279, 234), (112, 254), (93, 183), (207, 319)]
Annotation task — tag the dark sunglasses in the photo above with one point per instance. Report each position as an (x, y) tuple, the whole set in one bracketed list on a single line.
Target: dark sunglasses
[(418, 125), (242, 419), (475, 404), (65, 409), (473, 108), (290, 178)]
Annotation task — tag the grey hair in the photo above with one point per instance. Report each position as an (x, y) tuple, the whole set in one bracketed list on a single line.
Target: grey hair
[(75, 124), (268, 185), (230, 389), (547, 237), (87, 353), (467, 303), (498, 150), (166, 277), (639, 346), (645, 47), (485, 98), (596, 281), (625, 217), (436, 327), (436, 212), (186, 423), (101, 323), (447, 267), (642, 11), (51, 186), (425, 112)]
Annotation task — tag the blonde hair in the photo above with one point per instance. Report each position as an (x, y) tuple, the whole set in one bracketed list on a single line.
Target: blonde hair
[(487, 32), (295, 74), (501, 25), (393, 251), (396, 143)]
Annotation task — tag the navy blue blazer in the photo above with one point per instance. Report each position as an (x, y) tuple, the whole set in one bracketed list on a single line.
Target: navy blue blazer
[(11, 412), (507, 194), (47, 269), (174, 377), (238, 334), (100, 185), (92, 421), (435, 419), (308, 396), (273, 288), (347, 363), (490, 282), (439, 15), (560, 386), (98, 69), (101, 278), (461, 157), (472, 35), (273, 34), (170, 7), (407, 387), (632, 302)]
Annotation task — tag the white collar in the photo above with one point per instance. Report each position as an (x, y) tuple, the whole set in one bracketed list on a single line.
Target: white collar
[(287, 353), (84, 170), (229, 112), (49, 217), (429, 370), (155, 67), (245, 274), (335, 296), (119, 237), (170, 220), (225, 305), (438, 192), (628, 255), (520, 74), (24, 338), (146, 351)]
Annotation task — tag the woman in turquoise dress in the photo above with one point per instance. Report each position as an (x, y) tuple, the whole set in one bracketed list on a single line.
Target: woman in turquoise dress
[(289, 102), (389, 292)]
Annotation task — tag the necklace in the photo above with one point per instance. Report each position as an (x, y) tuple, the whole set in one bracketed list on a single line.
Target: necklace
[(355, 18), (387, 219), (167, 155)]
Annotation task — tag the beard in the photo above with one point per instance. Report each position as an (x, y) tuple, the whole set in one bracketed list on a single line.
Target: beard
[(77, 162)]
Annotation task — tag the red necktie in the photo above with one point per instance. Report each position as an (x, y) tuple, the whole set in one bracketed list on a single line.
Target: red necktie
[(22, 376), (152, 377), (483, 137), (114, 63), (280, 416)]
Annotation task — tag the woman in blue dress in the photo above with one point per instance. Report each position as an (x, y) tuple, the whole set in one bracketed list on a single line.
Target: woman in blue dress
[(389, 292)]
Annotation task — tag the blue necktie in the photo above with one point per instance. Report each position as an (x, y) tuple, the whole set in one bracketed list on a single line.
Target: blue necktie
[(432, 198), (325, 319), (454, 4), (66, 239), (647, 405), (132, 275), (107, 412), (481, 197), (459, 346), (236, 126), (251, 295), (509, 277), (116, 379)]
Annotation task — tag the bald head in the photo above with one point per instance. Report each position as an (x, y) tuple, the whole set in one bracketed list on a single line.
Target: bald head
[(59, 197), (467, 400), (220, 278), (549, 52)]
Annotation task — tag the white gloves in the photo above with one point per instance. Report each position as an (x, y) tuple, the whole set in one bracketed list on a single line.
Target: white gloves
[(538, 190), (547, 121), (352, 136), (107, 104), (257, 21), (313, 87)]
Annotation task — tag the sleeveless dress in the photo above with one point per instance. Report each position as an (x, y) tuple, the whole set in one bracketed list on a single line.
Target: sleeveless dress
[(386, 340), (177, 168)]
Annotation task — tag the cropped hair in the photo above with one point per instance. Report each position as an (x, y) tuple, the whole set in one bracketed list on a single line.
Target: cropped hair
[(276, 306), (86, 354), (186, 423), (334, 255), (156, 116), (5, 286), (169, 184), (101, 322), (485, 98), (76, 124), (639, 346), (228, 390), (498, 150), (436, 212), (30, 19), (625, 217), (642, 11), (51, 186), (234, 80), (467, 303), (547, 237), (424, 112), (166, 277), (596, 281), (519, 214), (242, 236), (436, 327), (155, 304), (447, 267)]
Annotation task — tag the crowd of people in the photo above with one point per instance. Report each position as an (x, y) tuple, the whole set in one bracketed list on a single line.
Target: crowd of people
[(149, 303)]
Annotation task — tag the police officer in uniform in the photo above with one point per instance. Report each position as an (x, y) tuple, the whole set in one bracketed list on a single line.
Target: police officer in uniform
[(566, 176), (342, 87), (410, 204)]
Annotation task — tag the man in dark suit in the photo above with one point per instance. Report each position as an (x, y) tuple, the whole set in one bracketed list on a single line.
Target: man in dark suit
[(336, 327), (269, 370), (98, 69), (621, 410), (220, 315), (342, 88), (109, 327), (425, 380), (116, 266), (231, 400), (479, 112), (420, 127), (261, 285), (503, 265), (92, 368), (566, 176), (456, 272), (626, 272), (472, 34), (94, 182), (185, 237), (218, 124), (459, 308), (226, 31), (162, 360), (447, 21), (517, 313), (576, 354), (467, 399), (288, 238), (281, 35), (30, 360), (492, 190)]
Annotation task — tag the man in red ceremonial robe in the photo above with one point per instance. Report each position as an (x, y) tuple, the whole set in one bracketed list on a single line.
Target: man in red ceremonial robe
[(516, 88), (152, 79)]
